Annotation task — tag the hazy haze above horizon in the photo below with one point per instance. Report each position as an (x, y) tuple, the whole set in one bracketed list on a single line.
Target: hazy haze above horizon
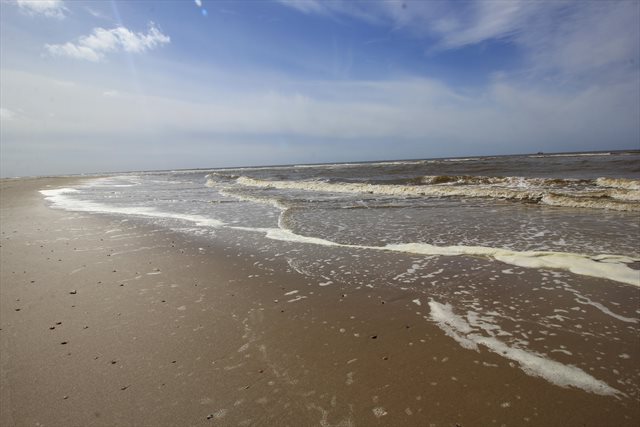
[(115, 85)]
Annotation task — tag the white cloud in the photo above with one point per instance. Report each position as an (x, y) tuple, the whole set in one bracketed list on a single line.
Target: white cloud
[(601, 37), (488, 20), (101, 41), (6, 114), (48, 8), (359, 120), (308, 6), (504, 115), (97, 13), (572, 38), (198, 3)]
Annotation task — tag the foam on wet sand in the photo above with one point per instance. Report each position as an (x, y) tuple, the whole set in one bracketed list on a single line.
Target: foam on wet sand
[(471, 338), (195, 336)]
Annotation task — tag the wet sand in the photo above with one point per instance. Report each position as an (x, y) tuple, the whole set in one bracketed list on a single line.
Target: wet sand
[(106, 321)]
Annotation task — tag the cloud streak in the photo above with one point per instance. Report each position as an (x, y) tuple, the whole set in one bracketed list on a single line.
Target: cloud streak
[(565, 37), (6, 114), (502, 116), (100, 42), (48, 8)]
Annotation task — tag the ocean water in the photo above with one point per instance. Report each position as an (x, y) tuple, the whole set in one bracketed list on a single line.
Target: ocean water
[(529, 257)]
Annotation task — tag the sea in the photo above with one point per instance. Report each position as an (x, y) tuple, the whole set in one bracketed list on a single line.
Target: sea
[(534, 257)]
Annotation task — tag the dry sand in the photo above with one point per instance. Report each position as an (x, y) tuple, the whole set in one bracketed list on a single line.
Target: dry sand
[(112, 322)]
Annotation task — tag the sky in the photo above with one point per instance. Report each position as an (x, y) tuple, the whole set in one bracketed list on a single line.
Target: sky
[(102, 86)]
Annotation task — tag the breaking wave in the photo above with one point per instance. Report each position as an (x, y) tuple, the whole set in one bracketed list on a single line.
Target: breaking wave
[(612, 267), (602, 193)]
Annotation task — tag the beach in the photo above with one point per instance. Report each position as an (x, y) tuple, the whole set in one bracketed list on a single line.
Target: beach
[(109, 319)]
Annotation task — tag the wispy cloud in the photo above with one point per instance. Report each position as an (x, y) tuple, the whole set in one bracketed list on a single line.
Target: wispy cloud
[(485, 21), (564, 36), (414, 110), (97, 14), (48, 8), (308, 6), (454, 24), (6, 114), (356, 119), (101, 41)]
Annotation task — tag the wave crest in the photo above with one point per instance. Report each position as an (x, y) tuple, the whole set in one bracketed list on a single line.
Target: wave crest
[(619, 195)]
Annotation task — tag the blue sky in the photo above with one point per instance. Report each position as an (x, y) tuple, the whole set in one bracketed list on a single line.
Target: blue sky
[(114, 85)]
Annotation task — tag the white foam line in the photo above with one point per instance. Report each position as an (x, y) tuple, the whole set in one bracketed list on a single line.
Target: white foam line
[(500, 192), (584, 300), (629, 184), (60, 200), (531, 363), (612, 267)]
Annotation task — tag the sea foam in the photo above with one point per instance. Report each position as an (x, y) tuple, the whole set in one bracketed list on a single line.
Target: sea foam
[(469, 336), (612, 267), (618, 195), (59, 199)]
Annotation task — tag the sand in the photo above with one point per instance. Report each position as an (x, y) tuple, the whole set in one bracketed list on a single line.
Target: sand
[(106, 321)]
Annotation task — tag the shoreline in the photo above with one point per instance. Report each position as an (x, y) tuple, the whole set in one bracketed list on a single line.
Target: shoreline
[(204, 333)]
